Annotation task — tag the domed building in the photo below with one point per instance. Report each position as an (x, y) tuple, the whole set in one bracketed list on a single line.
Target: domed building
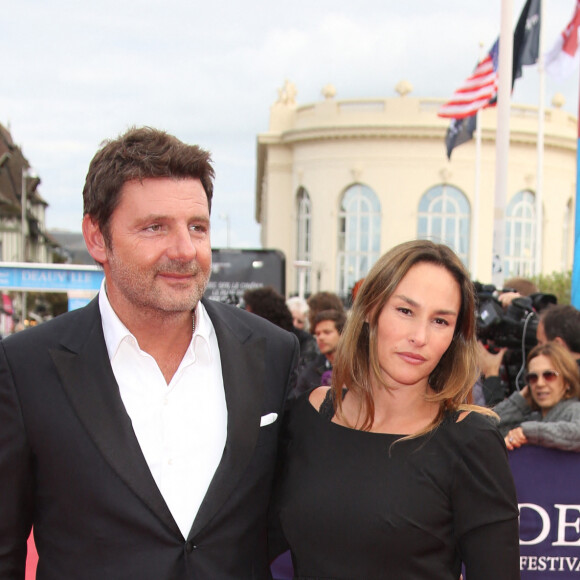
[(339, 182)]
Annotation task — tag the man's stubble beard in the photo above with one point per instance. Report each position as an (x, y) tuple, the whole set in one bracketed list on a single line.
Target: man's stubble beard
[(140, 289)]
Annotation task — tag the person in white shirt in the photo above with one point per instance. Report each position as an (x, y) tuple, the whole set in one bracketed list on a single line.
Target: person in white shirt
[(138, 435)]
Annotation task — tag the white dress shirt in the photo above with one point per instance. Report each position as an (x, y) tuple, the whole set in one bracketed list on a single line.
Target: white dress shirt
[(181, 426)]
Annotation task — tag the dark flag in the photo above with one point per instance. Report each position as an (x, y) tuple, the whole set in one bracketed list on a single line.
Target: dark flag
[(460, 131), (527, 38)]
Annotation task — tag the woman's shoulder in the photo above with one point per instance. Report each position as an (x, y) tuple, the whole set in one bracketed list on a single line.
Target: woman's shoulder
[(322, 399), (318, 396), (317, 401), (474, 440), (471, 416), (565, 408), (572, 402), (470, 424)]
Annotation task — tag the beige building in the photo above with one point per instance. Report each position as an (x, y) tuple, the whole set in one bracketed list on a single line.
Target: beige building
[(339, 182)]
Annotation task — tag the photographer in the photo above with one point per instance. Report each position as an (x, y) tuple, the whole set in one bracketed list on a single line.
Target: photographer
[(516, 288), (561, 323), (492, 387), (507, 322)]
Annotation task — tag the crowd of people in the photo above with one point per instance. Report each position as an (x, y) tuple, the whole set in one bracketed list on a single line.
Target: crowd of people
[(545, 412), (154, 434)]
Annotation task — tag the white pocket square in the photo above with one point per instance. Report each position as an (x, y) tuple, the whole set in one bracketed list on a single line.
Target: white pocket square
[(268, 419)]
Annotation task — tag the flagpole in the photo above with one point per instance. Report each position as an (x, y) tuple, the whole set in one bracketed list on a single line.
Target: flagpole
[(540, 148), (575, 291), (476, 191), (502, 141), (476, 199)]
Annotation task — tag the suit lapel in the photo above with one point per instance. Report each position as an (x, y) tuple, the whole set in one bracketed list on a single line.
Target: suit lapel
[(243, 369), (90, 385)]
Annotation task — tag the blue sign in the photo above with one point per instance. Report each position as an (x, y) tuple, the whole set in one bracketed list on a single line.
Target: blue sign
[(76, 303), (49, 277)]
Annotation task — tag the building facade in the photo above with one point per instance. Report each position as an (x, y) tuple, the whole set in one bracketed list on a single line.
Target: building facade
[(23, 236), (339, 182)]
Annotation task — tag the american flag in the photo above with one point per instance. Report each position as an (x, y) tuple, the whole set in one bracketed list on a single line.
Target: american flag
[(477, 91)]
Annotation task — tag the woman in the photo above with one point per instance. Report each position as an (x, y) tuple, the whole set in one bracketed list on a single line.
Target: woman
[(546, 411), (389, 474)]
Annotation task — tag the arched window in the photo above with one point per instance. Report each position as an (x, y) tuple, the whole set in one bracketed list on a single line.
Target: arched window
[(520, 223), (303, 236), (444, 218), (359, 235)]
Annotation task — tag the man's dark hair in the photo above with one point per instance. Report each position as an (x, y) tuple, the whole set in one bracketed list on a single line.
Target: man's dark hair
[(336, 316), (562, 320), (322, 301), (138, 154), (271, 305)]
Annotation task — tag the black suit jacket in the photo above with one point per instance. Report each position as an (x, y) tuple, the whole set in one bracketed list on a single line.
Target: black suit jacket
[(70, 463)]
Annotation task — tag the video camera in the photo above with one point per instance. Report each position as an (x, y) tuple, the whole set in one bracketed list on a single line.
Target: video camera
[(514, 327)]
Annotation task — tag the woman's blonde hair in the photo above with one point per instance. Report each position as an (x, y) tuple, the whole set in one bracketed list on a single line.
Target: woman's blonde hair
[(564, 363), (356, 362)]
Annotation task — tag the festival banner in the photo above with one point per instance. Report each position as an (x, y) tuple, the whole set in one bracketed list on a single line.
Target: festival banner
[(547, 485)]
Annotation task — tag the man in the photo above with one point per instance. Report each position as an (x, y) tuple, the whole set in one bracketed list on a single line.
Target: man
[(138, 435), (561, 323), (327, 328), (491, 388), (322, 301)]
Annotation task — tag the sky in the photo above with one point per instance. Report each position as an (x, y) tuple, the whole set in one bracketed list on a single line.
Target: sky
[(75, 73)]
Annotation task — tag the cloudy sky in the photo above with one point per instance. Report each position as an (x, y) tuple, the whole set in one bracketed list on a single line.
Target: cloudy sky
[(75, 73)]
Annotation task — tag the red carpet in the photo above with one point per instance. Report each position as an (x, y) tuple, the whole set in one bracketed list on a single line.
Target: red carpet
[(32, 560)]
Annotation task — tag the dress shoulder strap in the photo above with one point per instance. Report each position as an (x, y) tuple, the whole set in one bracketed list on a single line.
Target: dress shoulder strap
[(326, 409)]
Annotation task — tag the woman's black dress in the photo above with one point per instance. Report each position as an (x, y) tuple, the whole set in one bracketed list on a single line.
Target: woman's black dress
[(354, 506)]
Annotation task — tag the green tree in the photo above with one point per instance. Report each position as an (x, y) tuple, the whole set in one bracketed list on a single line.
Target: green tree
[(557, 283)]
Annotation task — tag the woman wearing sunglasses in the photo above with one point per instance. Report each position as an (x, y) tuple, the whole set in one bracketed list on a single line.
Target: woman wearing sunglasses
[(546, 411)]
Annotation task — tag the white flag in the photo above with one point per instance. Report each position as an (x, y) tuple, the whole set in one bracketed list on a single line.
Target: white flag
[(563, 59)]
